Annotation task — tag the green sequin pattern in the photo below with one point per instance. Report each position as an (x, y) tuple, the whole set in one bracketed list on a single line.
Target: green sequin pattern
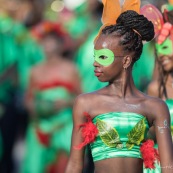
[(120, 135)]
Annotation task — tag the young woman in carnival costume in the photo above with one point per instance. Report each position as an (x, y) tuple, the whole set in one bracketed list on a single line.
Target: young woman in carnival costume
[(162, 85), (115, 119), (53, 84)]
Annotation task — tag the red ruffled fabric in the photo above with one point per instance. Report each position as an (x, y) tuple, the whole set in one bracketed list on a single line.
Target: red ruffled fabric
[(52, 84), (89, 132), (43, 138), (149, 154)]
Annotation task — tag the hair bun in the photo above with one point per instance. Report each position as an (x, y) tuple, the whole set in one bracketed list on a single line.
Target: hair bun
[(132, 20)]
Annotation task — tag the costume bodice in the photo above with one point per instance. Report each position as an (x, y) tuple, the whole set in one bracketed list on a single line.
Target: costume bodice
[(54, 90), (47, 93), (120, 134), (45, 97), (169, 103), (53, 94)]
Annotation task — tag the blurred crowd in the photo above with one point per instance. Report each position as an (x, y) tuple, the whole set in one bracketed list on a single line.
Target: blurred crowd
[(46, 57)]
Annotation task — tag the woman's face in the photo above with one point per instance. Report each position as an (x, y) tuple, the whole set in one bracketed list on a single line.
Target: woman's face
[(108, 59), (51, 46), (165, 54)]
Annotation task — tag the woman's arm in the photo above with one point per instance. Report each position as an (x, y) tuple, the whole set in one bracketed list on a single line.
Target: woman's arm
[(163, 136), (76, 159)]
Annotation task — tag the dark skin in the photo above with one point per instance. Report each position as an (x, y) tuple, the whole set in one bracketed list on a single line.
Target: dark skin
[(166, 62), (55, 67), (120, 95)]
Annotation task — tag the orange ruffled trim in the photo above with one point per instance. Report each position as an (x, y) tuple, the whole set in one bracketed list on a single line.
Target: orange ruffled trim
[(171, 2)]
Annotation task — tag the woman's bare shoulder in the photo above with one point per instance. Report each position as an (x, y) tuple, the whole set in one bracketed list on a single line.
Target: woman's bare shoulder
[(154, 101), (153, 88), (87, 98), (156, 107), (84, 103)]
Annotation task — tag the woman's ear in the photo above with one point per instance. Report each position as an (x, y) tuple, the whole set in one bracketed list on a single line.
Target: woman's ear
[(127, 61)]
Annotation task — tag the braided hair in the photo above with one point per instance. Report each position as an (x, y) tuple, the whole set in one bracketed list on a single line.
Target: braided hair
[(133, 29), (162, 79)]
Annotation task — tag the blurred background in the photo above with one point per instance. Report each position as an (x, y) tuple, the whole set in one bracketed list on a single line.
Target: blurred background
[(46, 57)]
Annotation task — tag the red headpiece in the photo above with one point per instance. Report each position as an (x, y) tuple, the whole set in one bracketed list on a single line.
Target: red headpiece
[(46, 27), (162, 26)]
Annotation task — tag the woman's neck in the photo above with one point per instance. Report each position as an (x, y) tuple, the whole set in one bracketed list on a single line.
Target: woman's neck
[(53, 60), (124, 86)]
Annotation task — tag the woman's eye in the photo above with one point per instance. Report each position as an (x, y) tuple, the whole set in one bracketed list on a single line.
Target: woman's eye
[(102, 57)]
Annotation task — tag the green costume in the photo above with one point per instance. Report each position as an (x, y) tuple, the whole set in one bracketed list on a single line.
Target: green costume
[(51, 132), (169, 103), (120, 135), (8, 55), (156, 170), (17, 49), (18, 53)]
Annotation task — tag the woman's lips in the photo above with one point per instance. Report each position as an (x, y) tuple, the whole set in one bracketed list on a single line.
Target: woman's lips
[(97, 73)]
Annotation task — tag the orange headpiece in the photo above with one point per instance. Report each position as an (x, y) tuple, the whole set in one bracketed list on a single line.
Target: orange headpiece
[(112, 9), (170, 2)]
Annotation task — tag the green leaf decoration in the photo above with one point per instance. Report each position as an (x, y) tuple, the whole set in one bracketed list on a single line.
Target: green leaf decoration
[(108, 134), (136, 135)]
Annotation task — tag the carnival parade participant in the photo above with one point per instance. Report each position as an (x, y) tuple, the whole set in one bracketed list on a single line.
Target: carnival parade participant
[(162, 86), (53, 84), (18, 53), (115, 119)]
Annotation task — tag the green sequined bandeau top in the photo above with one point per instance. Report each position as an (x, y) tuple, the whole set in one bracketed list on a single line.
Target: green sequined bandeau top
[(120, 135)]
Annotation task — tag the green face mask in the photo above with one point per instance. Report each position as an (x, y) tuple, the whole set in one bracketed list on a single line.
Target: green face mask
[(104, 57), (165, 48)]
